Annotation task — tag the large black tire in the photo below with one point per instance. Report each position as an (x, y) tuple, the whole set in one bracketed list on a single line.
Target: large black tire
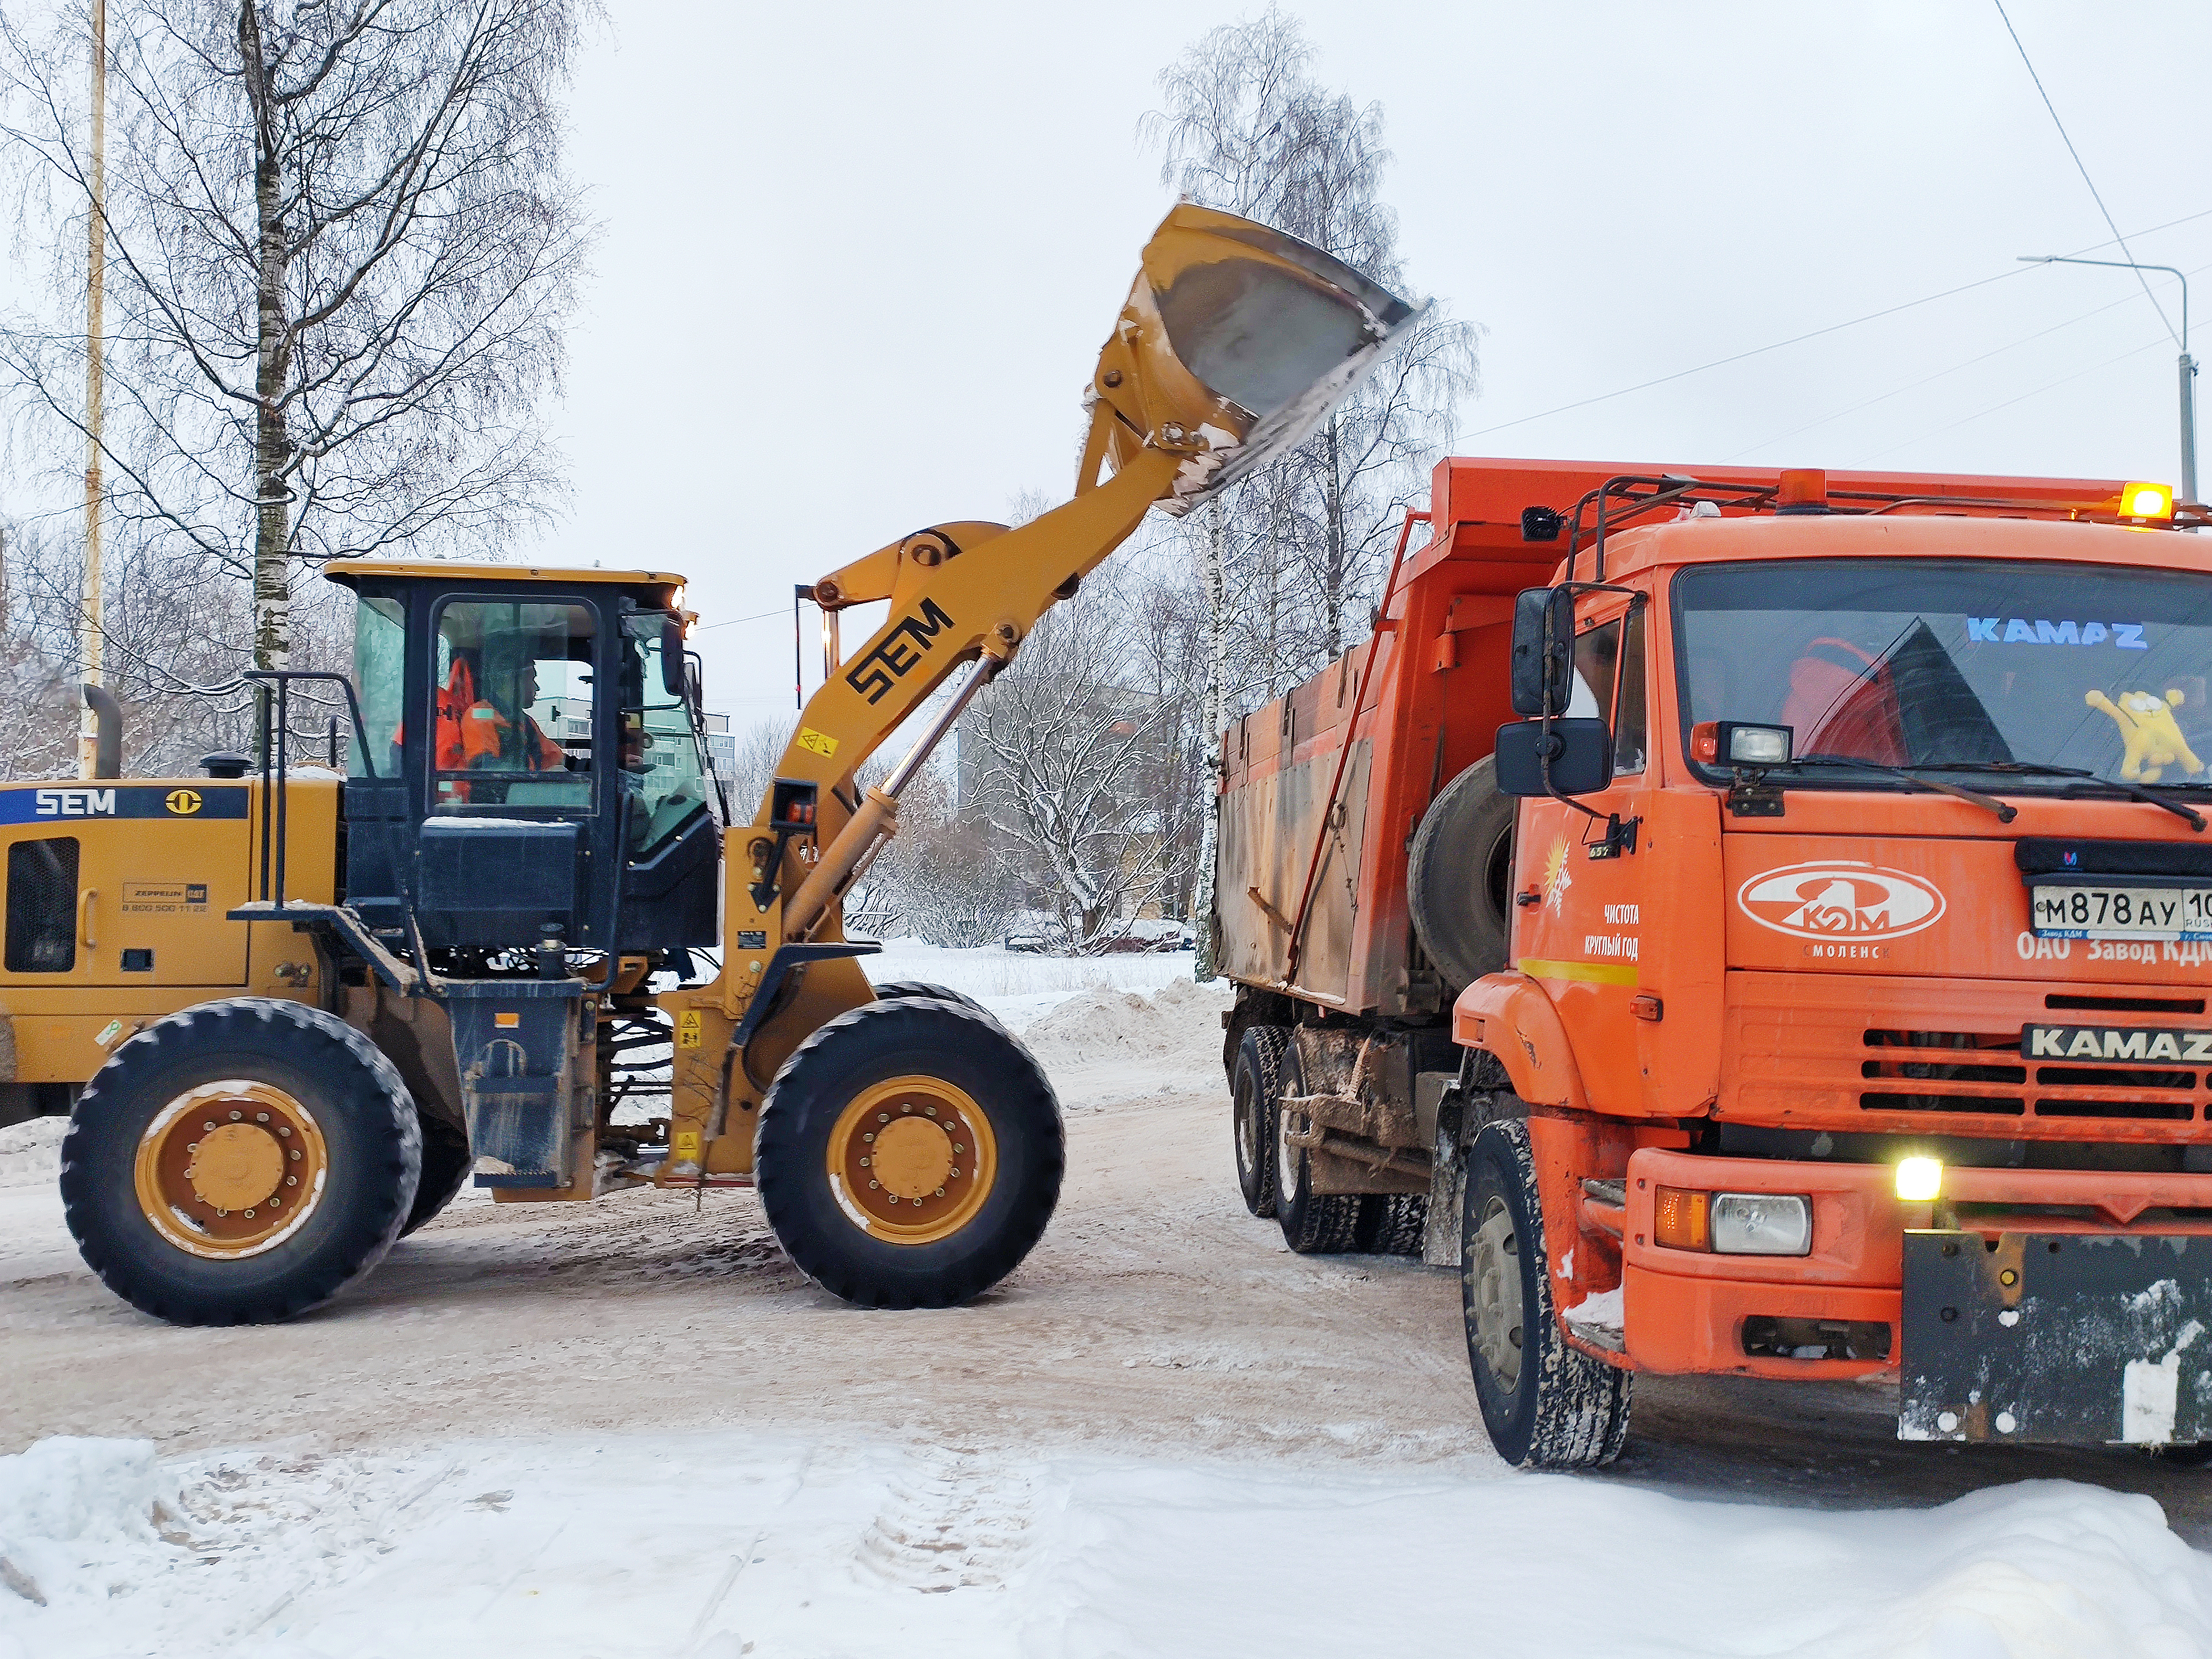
[(920, 990), (1254, 1087), (1459, 877), (1547, 1406), (955, 1061), (1314, 1224), (446, 1163), (256, 1067), (1392, 1223)]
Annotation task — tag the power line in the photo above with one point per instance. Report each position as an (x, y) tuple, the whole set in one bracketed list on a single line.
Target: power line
[(1796, 339), (2047, 386), (2079, 166), (731, 622), (1925, 379)]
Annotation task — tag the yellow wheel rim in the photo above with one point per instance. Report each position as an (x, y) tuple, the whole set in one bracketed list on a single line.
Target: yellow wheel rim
[(231, 1168), (912, 1160)]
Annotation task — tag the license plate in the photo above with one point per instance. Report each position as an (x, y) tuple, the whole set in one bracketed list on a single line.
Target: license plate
[(2059, 1337), (2121, 912)]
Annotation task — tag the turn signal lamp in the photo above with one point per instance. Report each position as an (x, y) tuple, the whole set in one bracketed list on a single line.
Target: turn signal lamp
[(2147, 501), (1919, 1180), (1681, 1219)]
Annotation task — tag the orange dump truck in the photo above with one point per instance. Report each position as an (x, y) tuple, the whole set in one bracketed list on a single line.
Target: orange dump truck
[(1754, 923)]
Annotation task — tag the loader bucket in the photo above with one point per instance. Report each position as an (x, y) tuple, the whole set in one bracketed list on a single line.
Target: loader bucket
[(1236, 342)]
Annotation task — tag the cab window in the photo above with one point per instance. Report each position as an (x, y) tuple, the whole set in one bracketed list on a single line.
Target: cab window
[(513, 704), (1609, 685), (660, 749), (379, 661)]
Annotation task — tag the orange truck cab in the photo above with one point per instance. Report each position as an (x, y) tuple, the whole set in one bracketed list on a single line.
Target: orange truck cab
[(1754, 923)]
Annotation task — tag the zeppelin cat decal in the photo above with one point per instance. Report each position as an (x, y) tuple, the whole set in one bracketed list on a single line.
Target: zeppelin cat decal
[(1840, 899)]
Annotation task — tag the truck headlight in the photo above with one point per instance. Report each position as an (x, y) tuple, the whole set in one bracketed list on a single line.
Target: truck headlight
[(1762, 1224)]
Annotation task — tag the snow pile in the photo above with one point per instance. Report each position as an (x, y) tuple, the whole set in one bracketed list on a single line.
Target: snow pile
[(68, 1506), (1179, 1028), (733, 1542), (31, 1152)]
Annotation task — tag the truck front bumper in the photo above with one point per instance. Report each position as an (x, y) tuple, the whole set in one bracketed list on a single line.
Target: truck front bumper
[(2089, 1340)]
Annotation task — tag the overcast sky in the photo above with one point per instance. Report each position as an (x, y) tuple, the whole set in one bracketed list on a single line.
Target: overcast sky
[(859, 259)]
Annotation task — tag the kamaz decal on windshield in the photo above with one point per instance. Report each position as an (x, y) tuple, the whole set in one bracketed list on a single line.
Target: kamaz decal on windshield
[(2016, 630)]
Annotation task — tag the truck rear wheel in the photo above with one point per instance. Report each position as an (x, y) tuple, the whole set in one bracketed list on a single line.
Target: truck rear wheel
[(909, 1154), (1314, 1224), (1254, 1088), (1545, 1405), (240, 1163), (1459, 876)]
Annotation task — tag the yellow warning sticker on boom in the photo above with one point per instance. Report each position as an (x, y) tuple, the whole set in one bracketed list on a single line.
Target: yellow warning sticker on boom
[(820, 742)]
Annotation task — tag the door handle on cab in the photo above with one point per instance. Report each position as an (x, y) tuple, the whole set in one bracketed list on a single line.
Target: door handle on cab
[(84, 912), (1534, 895)]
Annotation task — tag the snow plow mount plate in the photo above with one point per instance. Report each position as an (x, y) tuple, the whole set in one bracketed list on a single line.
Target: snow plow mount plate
[(2066, 1338)]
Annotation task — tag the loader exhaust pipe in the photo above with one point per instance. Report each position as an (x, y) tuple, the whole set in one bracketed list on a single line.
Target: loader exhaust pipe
[(107, 718)]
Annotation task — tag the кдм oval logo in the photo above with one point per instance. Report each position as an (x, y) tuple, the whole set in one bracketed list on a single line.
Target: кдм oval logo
[(1840, 899)]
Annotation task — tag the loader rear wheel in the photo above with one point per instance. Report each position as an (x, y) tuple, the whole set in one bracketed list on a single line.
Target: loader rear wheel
[(240, 1163), (446, 1163), (909, 1154), (1314, 1224), (1254, 1088), (1547, 1406)]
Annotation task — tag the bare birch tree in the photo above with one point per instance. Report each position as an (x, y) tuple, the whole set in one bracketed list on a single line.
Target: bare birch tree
[(1247, 127), (341, 249)]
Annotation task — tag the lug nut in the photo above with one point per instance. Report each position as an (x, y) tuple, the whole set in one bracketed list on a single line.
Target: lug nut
[(261, 1117), (283, 1130), (883, 1118), (234, 1116), (871, 1187), (291, 1181), (870, 1135), (864, 1164), (210, 1128), (295, 1154), (940, 1193), (932, 1110)]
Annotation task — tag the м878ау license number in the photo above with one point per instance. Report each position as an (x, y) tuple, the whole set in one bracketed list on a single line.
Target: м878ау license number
[(2122, 912)]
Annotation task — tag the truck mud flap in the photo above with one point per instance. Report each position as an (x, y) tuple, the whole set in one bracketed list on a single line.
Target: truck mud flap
[(2060, 1337)]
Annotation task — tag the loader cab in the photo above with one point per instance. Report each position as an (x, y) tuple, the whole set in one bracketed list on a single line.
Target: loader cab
[(533, 762)]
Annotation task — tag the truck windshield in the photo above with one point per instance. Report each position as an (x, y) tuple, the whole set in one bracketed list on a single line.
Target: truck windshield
[(1976, 664)]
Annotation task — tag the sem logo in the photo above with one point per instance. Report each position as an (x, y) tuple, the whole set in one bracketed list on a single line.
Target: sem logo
[(183, 801), (1840, 899), (903, 647), (77, 803)]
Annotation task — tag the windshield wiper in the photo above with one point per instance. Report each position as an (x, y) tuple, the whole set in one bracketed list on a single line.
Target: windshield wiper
[(2037, 769), (1933, 785)]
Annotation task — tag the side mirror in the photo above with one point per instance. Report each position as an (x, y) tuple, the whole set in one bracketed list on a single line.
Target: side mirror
[(1580, 752), (1543, 648), (672, 657)]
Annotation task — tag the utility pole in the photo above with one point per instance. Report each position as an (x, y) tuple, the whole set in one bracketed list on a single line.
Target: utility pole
[(2188, 363), (92, 636)]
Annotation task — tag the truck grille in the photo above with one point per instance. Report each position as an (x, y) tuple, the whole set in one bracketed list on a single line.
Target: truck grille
[(1834, 1052)]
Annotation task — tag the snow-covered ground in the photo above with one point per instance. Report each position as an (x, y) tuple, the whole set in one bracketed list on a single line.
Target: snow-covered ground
[(723, 1545), (629, 1428)]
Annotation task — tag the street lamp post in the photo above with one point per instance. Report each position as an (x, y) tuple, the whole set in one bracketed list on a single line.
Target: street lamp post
[(2188, 364)]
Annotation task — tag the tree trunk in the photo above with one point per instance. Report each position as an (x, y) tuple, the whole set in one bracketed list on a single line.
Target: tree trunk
[(272, 447), (1332, 553), (1214, 725)]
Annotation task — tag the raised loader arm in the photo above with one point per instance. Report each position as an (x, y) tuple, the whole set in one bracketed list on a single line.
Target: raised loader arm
[(909, 1152)]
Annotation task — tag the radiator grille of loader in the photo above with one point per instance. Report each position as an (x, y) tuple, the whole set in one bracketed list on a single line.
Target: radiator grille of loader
[(1873, 1055)]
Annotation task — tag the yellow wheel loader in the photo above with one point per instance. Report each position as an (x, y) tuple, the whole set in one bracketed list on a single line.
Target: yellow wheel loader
[(297, 1011)]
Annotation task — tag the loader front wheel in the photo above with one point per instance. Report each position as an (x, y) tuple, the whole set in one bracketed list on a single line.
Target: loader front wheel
[(447, 1165), (909, 1154), (1547, 1406), (240, 1163)]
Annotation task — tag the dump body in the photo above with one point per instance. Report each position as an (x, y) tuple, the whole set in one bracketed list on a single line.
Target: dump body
[(1708, 984)]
